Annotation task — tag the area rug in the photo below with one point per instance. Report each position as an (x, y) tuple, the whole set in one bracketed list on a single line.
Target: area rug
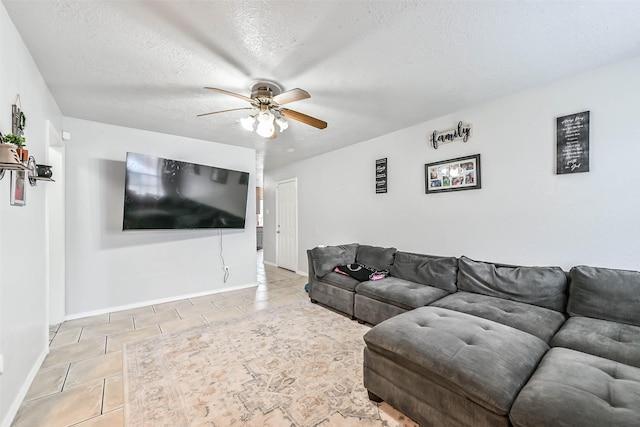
[(298, 365)]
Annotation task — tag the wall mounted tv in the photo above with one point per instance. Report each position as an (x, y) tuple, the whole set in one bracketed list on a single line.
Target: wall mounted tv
[(169, 194)]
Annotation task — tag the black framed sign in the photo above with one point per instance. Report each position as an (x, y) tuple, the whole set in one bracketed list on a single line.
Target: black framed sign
[(572, 140), (458, 174), (381, 176)]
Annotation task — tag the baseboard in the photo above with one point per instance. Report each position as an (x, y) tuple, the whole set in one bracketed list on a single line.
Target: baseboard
[(271, 264), (157, 301), (17, 401)]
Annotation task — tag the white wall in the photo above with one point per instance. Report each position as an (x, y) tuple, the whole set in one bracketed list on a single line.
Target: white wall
[(108, 268), (523, 214), (23, 261)]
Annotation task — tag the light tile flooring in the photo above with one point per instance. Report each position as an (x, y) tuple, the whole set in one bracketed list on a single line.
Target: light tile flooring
[(80, 381)]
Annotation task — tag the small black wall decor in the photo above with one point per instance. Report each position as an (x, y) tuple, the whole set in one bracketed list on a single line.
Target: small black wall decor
[(462, 131), (572, 142), (381, 176)]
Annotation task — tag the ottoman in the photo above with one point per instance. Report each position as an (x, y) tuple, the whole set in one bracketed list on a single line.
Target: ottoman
[(441, 367), (571, 388)]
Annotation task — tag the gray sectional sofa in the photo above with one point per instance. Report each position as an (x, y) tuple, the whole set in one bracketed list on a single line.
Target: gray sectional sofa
[(414, 281), (469, 343)]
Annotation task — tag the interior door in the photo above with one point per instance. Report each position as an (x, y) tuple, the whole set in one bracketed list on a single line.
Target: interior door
[(287, 225)]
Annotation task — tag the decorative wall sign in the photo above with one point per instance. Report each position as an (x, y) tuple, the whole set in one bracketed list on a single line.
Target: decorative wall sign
[(381, 175), (18, 119), (572, 140), (463, 132), (462, 173)]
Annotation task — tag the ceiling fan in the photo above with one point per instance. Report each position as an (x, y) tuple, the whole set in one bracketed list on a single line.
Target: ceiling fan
[(267, 99)]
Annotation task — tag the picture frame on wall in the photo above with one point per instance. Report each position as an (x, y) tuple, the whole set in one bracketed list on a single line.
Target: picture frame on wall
[(18, 188), (462, 173)]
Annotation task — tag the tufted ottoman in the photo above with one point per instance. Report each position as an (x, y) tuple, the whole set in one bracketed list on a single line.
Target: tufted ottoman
[(571, 388), (442, 367)]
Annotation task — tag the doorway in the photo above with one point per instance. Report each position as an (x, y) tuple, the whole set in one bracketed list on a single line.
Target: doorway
[(287, 224)]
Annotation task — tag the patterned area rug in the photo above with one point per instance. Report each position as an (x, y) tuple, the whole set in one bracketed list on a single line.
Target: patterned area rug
[(297, 365)]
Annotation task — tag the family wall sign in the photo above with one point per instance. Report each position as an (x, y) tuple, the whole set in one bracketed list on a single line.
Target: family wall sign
[(461, 132)]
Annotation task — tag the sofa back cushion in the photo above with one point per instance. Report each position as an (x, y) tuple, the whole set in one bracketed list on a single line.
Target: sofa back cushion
[(375, 256), (541, 286), (429, 270), (326, 258), (605, 293)]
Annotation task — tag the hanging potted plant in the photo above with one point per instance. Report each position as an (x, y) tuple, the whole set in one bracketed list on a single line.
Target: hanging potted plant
[(18, 141)]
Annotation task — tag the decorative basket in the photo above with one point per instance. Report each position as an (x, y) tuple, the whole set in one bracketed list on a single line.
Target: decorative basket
[(9, 154)]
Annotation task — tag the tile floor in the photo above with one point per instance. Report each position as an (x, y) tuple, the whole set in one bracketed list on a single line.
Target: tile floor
[(80, 381)]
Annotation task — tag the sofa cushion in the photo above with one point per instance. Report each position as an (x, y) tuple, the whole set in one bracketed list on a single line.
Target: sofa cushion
[(326, 258), (539, 321), (375, 256), (611, 340), (541, 286), (605, 293), (399, 292), (483, 360), (429, 270), (341, 281), (571, 388)]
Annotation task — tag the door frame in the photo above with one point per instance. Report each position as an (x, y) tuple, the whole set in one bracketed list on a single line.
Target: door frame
[(55, 225), (295, 182)]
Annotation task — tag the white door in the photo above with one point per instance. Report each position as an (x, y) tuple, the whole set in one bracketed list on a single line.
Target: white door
[(287, 224)]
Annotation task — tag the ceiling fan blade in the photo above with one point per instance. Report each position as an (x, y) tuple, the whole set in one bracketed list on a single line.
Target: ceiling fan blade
[(226, 92), (225, 111), (312, 121), (291, 96)]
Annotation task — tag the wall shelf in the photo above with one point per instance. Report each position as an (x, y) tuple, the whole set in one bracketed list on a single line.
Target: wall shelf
[(33, 173), (13, 166), (29, 166)]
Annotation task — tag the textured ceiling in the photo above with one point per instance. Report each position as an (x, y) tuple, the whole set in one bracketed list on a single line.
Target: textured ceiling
[(371, 67)]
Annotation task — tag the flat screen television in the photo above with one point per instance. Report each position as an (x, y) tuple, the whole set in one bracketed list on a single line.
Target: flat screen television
[(169, 194)]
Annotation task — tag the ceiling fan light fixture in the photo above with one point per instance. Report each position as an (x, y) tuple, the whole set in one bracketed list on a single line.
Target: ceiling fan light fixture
[(265, 115), (267, 98), (248, 122), (265, 128), (282, 124)]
